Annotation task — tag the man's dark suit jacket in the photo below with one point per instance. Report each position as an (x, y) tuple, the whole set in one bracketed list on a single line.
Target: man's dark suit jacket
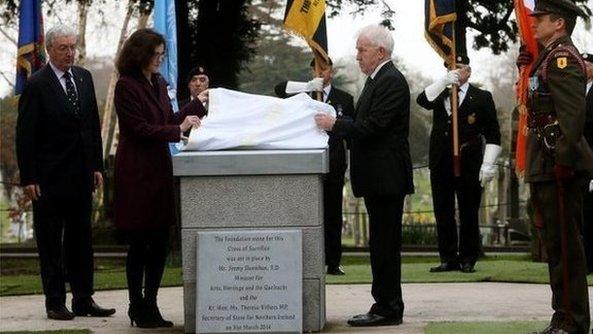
[(56, 148), (380, 162), (344, 105), (589, 118), (477, 117)]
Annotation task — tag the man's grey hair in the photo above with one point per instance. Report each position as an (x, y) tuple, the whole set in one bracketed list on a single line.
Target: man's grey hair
[(379, 36), (57, 32)]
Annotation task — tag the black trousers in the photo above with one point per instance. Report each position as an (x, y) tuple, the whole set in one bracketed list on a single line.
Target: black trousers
[(465, 247), (385, 222), (588, 228), (332, 219), (145, 263), (63, 233)]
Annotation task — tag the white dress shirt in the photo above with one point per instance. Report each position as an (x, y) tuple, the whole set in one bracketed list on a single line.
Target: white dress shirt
[(374, 74), (326, 91), (589, 84), (60, 74), (461, 93)]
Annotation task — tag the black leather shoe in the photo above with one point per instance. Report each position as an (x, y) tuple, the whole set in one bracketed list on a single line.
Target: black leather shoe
[(467, 268), (445, 266), (88, 307), (371, 319), (59, 313), (335, 271)]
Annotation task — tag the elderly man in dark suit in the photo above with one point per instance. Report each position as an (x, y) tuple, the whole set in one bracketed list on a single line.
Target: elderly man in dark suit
[(380, 167), (477, 124), (58, 145), (333, 183)]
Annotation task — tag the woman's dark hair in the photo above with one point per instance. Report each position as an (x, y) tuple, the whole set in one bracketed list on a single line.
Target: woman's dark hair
[(138, 51)]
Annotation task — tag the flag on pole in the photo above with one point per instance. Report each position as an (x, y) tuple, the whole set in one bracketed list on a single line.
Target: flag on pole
[(306, 18), (166, 24), (439, 30), (31, 51), (522, 10), (439, 25)]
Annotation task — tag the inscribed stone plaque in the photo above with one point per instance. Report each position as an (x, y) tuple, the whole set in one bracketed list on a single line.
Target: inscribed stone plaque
[(249, 281)]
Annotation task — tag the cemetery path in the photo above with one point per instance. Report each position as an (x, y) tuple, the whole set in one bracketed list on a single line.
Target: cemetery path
[(425, 303)]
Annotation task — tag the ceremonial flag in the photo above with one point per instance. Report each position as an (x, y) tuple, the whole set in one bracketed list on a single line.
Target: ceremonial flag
[(306, 18), (439, 25), (31, 51), (166, 24), (522, 10)]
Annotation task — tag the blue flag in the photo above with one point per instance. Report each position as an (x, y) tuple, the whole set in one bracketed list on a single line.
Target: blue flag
[(439, 24), (166, 24), (31, 52)]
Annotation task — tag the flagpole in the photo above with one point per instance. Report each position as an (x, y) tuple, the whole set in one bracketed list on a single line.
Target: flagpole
[(318, 95), (454, 114)]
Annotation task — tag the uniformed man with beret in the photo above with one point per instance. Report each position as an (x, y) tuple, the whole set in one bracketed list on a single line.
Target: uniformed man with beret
[(588, 198), (333, 183), (559, 160), (198, 82), (478, 125)]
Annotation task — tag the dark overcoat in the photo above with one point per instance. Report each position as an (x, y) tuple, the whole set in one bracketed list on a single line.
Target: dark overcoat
[(144, 191)]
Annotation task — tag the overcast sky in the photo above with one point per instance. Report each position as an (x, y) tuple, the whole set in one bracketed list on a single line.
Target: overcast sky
[(410, 45)]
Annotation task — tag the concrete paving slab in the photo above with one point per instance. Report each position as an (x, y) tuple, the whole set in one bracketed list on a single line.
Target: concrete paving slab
[(424, 303)]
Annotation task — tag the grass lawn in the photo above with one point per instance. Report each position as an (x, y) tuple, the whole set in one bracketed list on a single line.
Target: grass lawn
[(61, 331), (20, 277), (496, 268), (494, 327)]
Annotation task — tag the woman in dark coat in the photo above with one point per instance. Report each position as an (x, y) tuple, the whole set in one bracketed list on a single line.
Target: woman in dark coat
[(144, 206)]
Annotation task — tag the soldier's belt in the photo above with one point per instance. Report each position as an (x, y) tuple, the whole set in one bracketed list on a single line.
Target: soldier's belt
[(546, 129), (540, 121), (474, 142)]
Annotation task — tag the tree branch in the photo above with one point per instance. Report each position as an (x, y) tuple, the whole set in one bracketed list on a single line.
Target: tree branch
[(493, 29), (7, 80), (10, 38)]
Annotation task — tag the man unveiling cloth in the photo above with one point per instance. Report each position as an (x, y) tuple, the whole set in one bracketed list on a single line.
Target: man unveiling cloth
[(241, 120)]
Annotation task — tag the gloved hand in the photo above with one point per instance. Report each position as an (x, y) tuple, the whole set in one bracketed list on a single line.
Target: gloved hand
[(525, 57), (435, 89), (591, 186), (488, 168), (563, 173), (315, 85)]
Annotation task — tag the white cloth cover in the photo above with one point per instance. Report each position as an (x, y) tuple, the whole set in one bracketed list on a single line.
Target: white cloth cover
[(245, 121)]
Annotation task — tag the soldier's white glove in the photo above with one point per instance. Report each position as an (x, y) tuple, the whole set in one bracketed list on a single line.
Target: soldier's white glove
[(488, 169), (435, 89), (315, 85), (591, 186)]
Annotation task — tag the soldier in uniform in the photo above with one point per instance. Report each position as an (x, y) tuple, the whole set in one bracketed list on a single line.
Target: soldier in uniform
[(477, 124), (588, 198), (559, 160), (333, 183), (198, 82)]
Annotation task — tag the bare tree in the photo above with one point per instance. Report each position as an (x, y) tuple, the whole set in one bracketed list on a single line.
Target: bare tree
[(83, 11)]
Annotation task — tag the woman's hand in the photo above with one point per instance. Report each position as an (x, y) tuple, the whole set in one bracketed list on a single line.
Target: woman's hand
[(190, 122)]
